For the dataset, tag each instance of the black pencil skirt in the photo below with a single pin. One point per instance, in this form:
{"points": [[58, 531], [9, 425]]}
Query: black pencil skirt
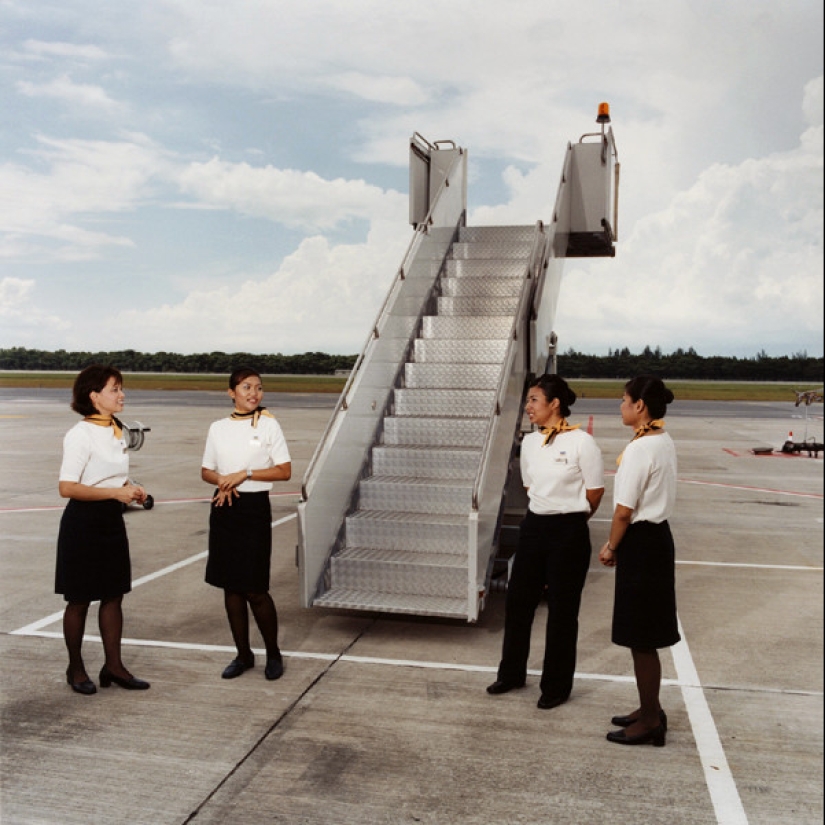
{"points": [[644, 608], [240, 544], [92, 552]]}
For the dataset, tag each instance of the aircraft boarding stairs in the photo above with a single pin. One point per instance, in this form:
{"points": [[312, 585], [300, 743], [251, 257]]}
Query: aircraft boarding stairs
{"points": [[402, 503]]}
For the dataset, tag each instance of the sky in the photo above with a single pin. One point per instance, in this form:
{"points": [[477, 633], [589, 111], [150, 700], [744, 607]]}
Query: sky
{"points": [[232, 175]]}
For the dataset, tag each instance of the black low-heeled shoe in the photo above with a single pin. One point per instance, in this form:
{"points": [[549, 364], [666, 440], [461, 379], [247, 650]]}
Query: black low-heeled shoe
{"points": [[274, 668], [236, 667], [132, 683], [655, 737], [86, 687], [624, 721], [547, 702], [500, 686]]}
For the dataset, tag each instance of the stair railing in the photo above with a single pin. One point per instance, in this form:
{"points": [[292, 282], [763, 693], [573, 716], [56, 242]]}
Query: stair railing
{"points": [[337, 462]]}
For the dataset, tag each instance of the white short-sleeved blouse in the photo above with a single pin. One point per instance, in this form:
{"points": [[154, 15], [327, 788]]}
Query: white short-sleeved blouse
{"points": [[558, 476], [94, 456], [646, 478], [234, 445]]}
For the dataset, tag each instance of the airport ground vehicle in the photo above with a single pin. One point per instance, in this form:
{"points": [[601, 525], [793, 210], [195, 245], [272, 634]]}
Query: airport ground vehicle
{"points": [[405, 497]]}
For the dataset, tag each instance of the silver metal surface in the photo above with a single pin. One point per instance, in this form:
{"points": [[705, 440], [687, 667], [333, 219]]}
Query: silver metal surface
{"points": [[452, 376]]}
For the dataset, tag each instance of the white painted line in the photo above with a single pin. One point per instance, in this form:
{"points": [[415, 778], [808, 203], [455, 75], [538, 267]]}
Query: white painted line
{"points": [[33, 628], [754, 566], [723, 791], [170, 569], [750, 489]]}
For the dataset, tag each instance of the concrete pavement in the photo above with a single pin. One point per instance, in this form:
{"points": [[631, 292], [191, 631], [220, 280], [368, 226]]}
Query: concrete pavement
{"points": [[384, 719]]}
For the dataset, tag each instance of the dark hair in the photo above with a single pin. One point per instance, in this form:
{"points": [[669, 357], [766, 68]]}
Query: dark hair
{"points": [[554, 386], [91, 379], [652, 390], [240, 374]]}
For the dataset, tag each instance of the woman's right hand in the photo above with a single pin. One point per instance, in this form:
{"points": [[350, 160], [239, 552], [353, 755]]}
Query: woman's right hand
{"points": [[607, 556], [129, 493]]}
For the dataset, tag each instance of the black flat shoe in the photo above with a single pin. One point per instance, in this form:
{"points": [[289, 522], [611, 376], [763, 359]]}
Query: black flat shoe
{"points": [[655, 737], [624, 721], [132, 683], [86, 687], [547, 702], [503, 687], [236, 667], [274, 669]]}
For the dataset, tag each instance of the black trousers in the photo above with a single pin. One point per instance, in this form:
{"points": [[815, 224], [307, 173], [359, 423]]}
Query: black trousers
{"points": [[552, 559]]}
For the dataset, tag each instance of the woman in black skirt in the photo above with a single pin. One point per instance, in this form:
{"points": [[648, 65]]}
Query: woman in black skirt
{"points": [[92, 546], [244, 454], [641, 548]]}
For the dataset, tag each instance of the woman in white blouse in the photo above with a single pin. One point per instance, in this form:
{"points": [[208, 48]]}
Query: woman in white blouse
{"points": [[244, 454], [641, 549], [562, 469], [92, 547]]}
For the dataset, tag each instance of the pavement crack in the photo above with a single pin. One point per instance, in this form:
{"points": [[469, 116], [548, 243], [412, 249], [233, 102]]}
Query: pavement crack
{"points": [[265, 735]]}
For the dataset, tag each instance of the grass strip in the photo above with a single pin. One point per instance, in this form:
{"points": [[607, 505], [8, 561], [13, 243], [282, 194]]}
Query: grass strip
{"points": [[585, 388]]}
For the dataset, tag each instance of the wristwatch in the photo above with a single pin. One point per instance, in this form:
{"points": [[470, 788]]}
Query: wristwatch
{"points": [[249, 474]]}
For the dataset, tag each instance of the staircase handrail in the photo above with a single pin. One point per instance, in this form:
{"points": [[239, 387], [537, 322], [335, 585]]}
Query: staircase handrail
{"points": [[375, 332]]}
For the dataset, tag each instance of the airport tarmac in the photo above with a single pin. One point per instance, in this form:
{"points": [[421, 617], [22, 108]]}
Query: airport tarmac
{"points": [[382, 718]]}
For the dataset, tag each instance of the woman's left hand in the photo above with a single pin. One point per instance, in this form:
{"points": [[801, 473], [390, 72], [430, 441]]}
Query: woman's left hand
{"points": [[228, 488]]}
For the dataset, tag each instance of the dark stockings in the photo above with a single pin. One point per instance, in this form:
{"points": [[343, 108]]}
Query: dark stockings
{"points": [[266, 617], [110, 622], [74, 623], [648, 670]]}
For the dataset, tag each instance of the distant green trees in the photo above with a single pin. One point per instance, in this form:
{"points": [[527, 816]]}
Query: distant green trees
{"points": [[618, 363], [687, 364], [307, 363]]}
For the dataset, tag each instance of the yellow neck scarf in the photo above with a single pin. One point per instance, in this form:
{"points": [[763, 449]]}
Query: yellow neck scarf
{"points": [[550, 432], [106, 421], [255, 415], [656, 424]]}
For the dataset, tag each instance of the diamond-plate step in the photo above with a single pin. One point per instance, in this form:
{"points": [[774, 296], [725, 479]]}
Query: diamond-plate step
{"points": [[463, 327], [435, 431], [452, 376], [482, 249], [390, 571], [343, 599], [447, 351], [519, 233], [458, 403], [413, 532], [415, 495], [477, 305], [428, 462], [489, 268], [482, 287]]}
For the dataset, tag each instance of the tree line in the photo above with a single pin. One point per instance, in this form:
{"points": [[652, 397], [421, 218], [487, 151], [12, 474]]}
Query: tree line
{"points": [[307, 363], [618, 363], [688, 364]]}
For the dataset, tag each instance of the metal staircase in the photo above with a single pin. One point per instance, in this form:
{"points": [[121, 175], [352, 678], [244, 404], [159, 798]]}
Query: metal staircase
{"points": [[405, 544], [402, 501]]}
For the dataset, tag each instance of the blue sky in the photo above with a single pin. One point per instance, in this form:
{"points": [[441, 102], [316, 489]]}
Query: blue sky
{"points": [[192, 175]]}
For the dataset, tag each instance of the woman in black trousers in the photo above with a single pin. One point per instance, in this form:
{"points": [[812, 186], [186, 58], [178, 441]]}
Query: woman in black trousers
{"points": [[562, 470]]}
